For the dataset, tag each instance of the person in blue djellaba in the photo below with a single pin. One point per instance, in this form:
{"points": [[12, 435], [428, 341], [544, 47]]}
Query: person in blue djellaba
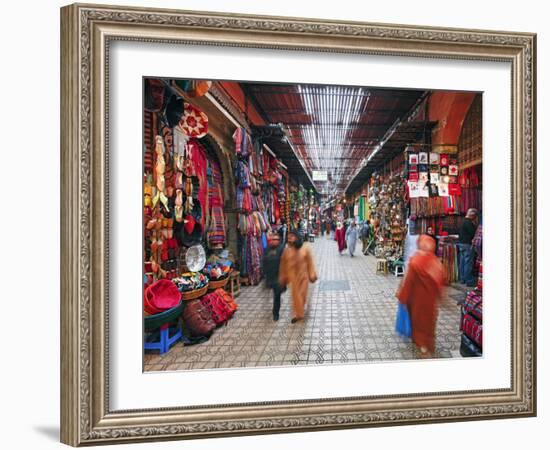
{"points": [[271, 262]]}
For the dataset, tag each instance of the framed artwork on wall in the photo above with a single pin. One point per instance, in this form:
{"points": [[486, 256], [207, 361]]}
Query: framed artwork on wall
{"points": [[184, 133]]}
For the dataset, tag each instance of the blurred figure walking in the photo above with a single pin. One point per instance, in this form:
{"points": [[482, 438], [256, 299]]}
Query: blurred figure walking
{"points": [[297, 270], [365, 236], [351, 237], [420, 291], [270, 264], [340, 237]]}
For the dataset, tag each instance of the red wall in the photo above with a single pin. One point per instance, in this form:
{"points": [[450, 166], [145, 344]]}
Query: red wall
{"points": [[449, 109], [234, 90]]}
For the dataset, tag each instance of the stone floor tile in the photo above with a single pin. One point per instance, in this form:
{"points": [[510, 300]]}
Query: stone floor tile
{"points": [[350, 318]]}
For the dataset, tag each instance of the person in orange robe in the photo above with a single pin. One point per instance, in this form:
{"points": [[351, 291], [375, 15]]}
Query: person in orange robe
{"points": [[297, 270], [420, 291]]}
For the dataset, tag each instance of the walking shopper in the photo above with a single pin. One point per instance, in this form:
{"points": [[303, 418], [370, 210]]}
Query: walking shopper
{"points": [[271, 262], [466, 253], [328, 224], [333, 229], [340, 237], [297, 270], [351, 237], [420, 291], [365, 235]]}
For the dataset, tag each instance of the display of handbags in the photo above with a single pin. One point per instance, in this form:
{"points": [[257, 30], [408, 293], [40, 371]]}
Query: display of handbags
{"points": [[197, 319]]}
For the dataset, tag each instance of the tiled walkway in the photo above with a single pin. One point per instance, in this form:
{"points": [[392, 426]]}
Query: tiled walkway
{"points": [[350, 319]]}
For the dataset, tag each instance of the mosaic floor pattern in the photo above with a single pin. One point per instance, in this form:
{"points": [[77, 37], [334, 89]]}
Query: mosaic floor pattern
{"points": [[350, 318]]}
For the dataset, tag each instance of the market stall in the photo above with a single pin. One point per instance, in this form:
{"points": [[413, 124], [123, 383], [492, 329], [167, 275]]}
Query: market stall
{"points": [[183, 212]]}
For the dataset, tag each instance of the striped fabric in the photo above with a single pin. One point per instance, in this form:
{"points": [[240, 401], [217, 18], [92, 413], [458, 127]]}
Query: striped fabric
{"points": [[148, 139], [474, 304], [473, 329], [216, 231]]}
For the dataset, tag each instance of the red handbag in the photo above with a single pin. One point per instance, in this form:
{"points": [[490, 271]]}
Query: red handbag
{"points": [[198, 319]]}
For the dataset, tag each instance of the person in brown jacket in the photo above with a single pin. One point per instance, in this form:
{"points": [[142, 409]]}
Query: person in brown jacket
{"points": [[297, 270]]}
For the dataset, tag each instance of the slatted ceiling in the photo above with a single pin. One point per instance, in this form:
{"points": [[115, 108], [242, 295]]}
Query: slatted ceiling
{"points": [[332, 128]]}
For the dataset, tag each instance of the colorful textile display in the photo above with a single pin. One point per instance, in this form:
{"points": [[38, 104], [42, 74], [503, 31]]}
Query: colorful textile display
{"points": [[216, 232], [243, 143], [473, 329], [218, 270], [220, 304], [440, 224], [447, 252], [251, 257], [215, 183], [433, 206], [190, 281], [474, 304], [251, 221], [470, 198], [472, 308]]}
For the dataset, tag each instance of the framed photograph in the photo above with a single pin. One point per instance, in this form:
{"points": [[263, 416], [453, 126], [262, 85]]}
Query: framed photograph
{"points": [[234, 186]]}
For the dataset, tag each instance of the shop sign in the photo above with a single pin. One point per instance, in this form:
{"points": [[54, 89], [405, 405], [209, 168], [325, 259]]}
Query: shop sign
{"points": [[319, 175]]}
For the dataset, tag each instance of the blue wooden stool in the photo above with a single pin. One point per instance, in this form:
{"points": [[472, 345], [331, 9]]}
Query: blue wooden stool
{"points": [[159, 335], [166, 338]]}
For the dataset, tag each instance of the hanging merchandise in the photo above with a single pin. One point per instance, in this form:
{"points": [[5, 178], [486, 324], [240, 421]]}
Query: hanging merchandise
{"points": [[447, 251], [216, 225], [251, 222], [193, 123], [243, 143], [154, 95], [160, 167], [472, 308], [387, 206], [434, 158]]}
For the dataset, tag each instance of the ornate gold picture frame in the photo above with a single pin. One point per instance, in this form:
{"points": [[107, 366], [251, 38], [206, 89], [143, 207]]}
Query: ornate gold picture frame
{"points": [[87, 31]]}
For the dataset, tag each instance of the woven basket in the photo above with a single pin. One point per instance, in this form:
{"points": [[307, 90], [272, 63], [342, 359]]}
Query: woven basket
{"points": [[192, 295], [212, 285]]}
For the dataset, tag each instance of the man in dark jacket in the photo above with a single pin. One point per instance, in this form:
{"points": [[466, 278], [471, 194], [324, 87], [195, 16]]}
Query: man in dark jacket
{"points": [[365, 235], [270, 264], [466, 253]]}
